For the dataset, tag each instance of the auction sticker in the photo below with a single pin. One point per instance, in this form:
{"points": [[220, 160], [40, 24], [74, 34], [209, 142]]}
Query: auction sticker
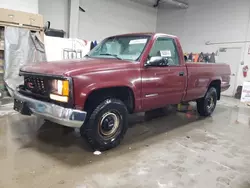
{"points": [[138, 41], [165, 53]]}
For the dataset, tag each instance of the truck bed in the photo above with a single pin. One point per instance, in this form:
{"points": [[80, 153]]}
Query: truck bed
{"points": [[200, 76]]}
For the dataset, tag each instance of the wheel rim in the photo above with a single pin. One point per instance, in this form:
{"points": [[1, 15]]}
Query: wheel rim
{"points": [[210, 103], [109, 123]]}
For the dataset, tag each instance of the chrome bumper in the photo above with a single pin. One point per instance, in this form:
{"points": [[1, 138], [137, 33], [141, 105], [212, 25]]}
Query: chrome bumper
{"points": [[224, 86], [55, 113]]}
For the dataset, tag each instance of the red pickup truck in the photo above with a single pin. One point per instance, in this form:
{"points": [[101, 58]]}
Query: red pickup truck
{"points": [[123, 74]]}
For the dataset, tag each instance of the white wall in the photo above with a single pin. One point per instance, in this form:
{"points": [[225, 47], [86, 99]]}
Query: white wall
{"points": [[57, 12], [108, 17], [214, 21], [30, 6], [101, 19]]}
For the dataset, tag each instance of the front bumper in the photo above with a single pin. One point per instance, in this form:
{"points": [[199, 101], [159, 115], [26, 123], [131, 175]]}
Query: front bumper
{"points": [[55, 113]]}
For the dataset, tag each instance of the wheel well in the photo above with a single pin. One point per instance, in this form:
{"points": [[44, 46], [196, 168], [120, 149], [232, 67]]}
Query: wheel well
{"points": [[125, 94], [217, 85]]}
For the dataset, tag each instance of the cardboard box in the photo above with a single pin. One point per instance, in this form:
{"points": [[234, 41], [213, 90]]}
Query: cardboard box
{"points": [[20, 18]]}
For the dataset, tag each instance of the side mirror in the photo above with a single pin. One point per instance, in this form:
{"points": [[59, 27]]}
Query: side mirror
{"points": [[156, 62]]}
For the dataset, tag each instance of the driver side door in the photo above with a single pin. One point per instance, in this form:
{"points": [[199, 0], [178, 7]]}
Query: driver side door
{"points": [[163, 85]]}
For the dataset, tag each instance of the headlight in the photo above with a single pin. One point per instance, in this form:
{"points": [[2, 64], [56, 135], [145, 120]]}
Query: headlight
{"points": [[60, 90]]}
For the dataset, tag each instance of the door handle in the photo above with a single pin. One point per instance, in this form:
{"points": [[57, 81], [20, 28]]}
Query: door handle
{"points": [[181, 73]]}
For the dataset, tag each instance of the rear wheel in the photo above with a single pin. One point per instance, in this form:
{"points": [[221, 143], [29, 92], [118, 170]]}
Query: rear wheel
{"points": [[106, 125], [207, 104]]}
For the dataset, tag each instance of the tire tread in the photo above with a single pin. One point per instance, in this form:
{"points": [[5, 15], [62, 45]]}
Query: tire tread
{"points": [[201, 103], [88, 128]]}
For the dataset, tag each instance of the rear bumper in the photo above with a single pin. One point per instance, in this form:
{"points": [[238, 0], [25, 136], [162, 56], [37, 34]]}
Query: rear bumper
{"points": [[55, 113], [224, 86]]}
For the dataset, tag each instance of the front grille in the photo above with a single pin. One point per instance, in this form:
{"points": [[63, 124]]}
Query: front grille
{"points": [[37, 85]]}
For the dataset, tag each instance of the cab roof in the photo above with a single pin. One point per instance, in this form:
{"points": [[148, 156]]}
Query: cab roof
{"points": [[146, 34]]}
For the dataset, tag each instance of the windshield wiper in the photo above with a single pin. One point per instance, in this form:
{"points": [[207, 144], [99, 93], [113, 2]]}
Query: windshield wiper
{"points": [[113, 55]]}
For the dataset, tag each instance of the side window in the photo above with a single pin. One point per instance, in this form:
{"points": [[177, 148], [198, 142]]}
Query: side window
{"points": [[165, 47]]}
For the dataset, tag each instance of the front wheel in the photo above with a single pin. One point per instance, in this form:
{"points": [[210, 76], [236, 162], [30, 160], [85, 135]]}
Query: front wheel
{"points": [[107, 125], [207, 104]]}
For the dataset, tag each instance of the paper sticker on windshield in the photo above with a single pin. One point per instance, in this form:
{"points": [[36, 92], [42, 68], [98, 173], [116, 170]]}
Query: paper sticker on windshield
{"points": [[165, 53], [138, 41]]}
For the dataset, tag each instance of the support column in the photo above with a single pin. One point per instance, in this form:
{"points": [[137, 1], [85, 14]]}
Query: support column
{"points": [[73, 18]]}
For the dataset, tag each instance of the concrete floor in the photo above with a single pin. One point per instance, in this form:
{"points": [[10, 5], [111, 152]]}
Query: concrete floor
{"points": [[174, 151]]}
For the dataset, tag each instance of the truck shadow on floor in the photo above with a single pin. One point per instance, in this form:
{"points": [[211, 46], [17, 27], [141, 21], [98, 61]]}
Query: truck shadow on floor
{"points": [[66, 145]]}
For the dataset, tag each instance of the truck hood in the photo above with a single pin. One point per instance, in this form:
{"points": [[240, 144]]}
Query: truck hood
{"points": [[76, 67]]}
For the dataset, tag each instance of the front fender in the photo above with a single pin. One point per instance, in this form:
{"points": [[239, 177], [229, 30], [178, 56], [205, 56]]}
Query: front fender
{"points": [[81, 94]]}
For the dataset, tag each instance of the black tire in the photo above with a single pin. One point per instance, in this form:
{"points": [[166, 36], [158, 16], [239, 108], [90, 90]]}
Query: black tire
{"points": [[96, 129], [207, 104]]}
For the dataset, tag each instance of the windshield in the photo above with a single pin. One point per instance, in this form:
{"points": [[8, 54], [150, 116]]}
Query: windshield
{"points": [[120, 47]]}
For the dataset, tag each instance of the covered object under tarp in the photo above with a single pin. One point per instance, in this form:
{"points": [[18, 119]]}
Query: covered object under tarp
{"points": [[22, 47]]}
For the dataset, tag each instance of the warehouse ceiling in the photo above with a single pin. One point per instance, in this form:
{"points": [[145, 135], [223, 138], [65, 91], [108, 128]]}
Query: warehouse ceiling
{"points": [[156, 3]]}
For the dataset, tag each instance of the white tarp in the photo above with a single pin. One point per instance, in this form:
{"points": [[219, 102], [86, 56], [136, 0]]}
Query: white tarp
{"points": [[65, 48], [22, 47]]}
